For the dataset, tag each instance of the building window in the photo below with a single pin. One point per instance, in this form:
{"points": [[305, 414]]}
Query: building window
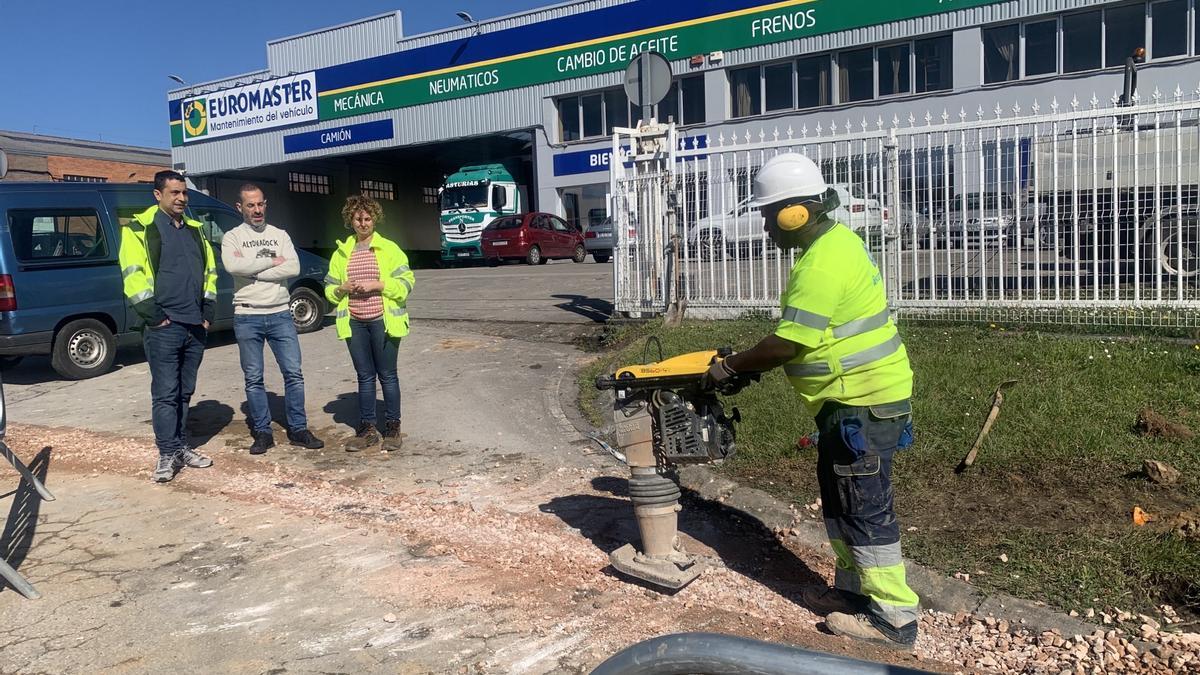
{"points": [[568, 119], [616, 109], [856, 75], [1124, 31], [684, 101], [378, 189], [813, 83], [1169, 29], [592, 107], [691, 100], [73, 178], [778, 90], [1041, 48], [310, 183], [668, 108], [934, 64], [1081, 42], [46, 236], [745, 92], [894, 70], [429, 195], [596, 115], [1001, 54]]}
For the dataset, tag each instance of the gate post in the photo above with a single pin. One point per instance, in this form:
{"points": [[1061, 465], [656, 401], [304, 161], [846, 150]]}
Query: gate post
{"points": [[892, 265]]}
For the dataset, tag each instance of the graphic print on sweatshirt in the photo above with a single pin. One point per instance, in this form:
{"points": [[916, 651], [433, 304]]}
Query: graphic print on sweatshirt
{"points": [[262, 246]]}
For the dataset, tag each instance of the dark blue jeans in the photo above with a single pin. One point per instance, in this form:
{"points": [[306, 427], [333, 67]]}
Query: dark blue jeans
{"points": [[279, 332], [374, 354], [174, 353]]}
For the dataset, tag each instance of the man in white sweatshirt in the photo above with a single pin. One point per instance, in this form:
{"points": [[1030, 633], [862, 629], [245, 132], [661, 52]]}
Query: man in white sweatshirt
{"points": [[261, 259]]}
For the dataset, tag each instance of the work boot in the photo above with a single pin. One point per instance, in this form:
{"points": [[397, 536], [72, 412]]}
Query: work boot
{"points": [[305, 439], [366, 436], [825, 600], [263, 441], [864, 627], [190, 458], [165, 470], [391, 436]]}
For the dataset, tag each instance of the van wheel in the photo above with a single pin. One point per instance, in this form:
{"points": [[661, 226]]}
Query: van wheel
{"points": [[601, 257], [534, 257], [83, 348], [580, 254], [308, 309]]}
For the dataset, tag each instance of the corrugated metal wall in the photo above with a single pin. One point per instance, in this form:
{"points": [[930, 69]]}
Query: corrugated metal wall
{"points": [[522, 108], [373, 36], [510, 21], [215, 85]]}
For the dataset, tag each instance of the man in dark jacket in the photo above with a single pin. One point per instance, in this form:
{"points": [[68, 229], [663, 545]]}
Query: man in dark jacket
{"points": [[170, 279]]}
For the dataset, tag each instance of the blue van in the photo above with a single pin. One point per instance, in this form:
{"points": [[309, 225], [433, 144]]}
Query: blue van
{"points": [[60, 284]]}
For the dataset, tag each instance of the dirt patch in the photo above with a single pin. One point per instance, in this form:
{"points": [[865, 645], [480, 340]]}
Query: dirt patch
{"points": [[1186, 526], [1150, 423], [1063, 500], [579, 335], [460, 345]]}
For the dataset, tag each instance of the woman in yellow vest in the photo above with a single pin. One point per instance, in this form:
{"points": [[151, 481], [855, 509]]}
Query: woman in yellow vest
{"points": [[369, 281], [844, 357]]}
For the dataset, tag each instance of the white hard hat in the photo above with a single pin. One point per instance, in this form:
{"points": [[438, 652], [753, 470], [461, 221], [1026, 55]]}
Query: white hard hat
{"points": [[787, 176]]}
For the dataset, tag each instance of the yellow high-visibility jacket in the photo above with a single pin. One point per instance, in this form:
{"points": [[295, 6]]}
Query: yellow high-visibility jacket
{"points": [[141, 247], [394, 272]]}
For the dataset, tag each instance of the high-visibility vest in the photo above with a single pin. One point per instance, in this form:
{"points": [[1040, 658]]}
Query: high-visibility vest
{"points": [[836, 309], [137, 266], [394, 272]]}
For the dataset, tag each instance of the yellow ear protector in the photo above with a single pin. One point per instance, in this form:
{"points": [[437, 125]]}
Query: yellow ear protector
{"points": [[795, 216]]}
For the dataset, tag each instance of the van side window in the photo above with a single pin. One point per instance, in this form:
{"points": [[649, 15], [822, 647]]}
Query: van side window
{"points": [[57, 234], [215, 222]]}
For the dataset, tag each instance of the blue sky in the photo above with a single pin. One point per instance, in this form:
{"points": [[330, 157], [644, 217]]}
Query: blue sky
{"points": [[98, 69]]}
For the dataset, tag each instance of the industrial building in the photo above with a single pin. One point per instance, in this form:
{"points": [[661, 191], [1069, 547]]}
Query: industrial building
{"points": [[37, 157], [361, 107]]}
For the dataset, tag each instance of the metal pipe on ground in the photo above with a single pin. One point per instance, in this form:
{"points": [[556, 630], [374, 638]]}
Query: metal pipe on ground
{"points": [[716, 654]]}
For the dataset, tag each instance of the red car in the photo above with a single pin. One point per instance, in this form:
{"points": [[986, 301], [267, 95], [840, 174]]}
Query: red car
{"points": [[535, 238]]}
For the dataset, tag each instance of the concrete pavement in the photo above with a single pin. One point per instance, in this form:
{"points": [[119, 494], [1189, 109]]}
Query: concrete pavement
{"points": [[558, 292], [481, 547]]}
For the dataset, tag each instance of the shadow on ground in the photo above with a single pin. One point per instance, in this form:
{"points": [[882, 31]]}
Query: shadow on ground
{"points": [[737, 539], [21, 524]]}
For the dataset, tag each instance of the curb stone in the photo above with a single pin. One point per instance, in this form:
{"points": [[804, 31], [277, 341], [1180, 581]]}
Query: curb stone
{"points": [[937, 591]]}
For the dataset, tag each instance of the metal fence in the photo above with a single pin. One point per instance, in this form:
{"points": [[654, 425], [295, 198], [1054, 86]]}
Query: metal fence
{"points": [[1072, 213]]}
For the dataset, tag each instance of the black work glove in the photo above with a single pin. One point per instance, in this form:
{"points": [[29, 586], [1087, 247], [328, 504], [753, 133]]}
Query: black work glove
{"points": [[718, 374]]}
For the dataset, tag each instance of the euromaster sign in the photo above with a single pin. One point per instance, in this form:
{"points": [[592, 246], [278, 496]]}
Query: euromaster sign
{"points": [[254, 107], [599, 41]]}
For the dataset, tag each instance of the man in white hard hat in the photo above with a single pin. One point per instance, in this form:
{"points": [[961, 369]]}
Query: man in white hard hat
{"points": [[844, 357]]}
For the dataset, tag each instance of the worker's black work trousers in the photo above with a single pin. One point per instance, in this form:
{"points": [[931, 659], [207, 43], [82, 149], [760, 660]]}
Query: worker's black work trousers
{"points": [[854, 469]]}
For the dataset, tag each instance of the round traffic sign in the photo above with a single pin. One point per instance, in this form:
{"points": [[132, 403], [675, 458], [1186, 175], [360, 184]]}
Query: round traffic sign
{"points": [[647, 79]]}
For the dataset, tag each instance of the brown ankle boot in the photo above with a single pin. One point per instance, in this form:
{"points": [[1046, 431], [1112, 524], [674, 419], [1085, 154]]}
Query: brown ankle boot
{"points": [[391, 436]]}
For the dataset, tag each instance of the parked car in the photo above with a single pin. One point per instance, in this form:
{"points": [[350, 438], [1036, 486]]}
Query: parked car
{"points": [[536, 238], [912, 226], [973, 219], [599, 240], [61, 291], [743, 225]]}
